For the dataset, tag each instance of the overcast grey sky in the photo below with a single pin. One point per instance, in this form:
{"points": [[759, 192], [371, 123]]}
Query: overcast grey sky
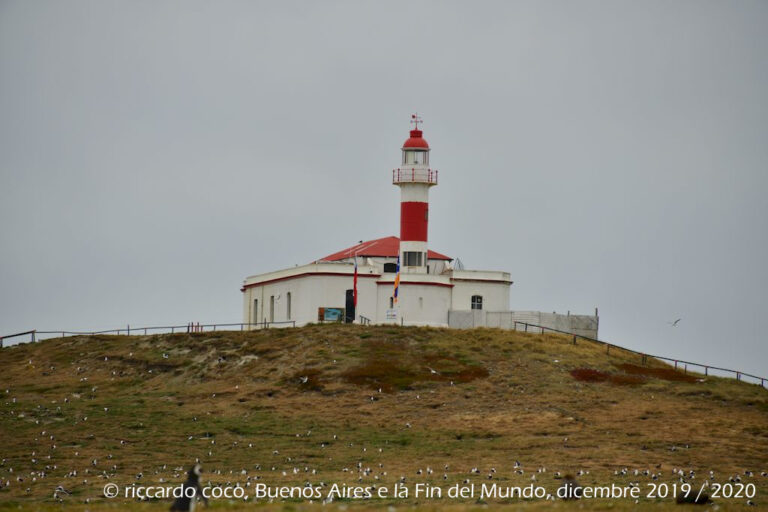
{"points": [[609, 154]]}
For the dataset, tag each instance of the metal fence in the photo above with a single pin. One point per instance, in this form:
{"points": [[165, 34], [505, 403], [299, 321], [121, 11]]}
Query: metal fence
{"points": [[678, 363], [414, 175], [192, 327]]}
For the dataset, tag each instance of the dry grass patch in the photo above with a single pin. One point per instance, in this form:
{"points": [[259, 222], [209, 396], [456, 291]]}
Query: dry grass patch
{"points": [[592, 375]]}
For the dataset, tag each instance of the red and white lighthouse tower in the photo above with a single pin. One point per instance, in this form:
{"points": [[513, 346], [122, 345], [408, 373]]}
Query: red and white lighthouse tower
{"points": [[414, 177]]}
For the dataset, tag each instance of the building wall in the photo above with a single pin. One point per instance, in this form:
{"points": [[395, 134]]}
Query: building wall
{"points": [[418, 304], [425, 299], [466, 319], [431, 301], [583, 325], [307, 294], [495, 294]]}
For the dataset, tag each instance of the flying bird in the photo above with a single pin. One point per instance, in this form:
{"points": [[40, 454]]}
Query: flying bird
{"points": [[674, 324]]}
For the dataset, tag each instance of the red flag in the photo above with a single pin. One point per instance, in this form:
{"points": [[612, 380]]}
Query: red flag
{"points": [[354, 285]]}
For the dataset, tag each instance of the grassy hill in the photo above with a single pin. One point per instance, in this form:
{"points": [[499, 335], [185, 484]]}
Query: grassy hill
{"points": [[325, 403]]}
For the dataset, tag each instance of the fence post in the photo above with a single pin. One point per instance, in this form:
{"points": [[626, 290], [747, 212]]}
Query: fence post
{"points": [[574, 339], [33, 337], [128, 329], [526, 327], [738, 375], [607, 348], [706, 370], [675, 364]]}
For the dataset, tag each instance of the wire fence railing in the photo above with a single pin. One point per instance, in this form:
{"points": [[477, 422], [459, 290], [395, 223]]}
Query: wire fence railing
{"points": [[191, 327], [679, 364]]}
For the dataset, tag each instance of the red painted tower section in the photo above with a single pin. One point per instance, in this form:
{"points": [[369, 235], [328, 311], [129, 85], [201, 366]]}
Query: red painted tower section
{"points": [[414, 221]]}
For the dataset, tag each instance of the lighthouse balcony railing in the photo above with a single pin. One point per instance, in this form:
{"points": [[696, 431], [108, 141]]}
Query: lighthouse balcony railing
{"points": [[414, 175]]}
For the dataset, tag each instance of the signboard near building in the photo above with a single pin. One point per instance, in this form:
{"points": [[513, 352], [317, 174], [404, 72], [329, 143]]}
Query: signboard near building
{"points": [[330, 314]]}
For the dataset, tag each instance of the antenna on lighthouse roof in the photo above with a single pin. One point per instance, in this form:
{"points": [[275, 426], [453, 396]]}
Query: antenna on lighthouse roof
{"points": [[415, 120]]}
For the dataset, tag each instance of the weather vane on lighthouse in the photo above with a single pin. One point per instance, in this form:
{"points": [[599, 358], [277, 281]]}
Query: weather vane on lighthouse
{"points": [[415, 120]]}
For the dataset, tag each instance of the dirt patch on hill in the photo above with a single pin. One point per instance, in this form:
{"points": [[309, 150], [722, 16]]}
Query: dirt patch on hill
{"points": [[657, 373], [385, 374], [451, 369], [392, 370], [592, 375]]}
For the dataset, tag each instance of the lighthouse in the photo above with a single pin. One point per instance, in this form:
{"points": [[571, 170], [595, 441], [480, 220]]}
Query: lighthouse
{"points": [[357, 284], [415, 178]]}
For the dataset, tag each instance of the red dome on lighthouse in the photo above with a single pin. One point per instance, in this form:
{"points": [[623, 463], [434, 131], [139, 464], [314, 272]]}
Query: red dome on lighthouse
{"points": [[416, 141]]}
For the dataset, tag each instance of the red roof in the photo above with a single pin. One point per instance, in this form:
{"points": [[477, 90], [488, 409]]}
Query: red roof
{"points": [[387, 247], [416, 141]]}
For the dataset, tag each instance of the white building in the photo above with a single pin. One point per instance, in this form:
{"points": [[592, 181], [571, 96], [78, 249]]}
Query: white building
{"points": [[431, 290]]}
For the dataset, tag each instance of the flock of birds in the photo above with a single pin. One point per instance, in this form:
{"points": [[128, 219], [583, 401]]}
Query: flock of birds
{"points": [[73, 480]]}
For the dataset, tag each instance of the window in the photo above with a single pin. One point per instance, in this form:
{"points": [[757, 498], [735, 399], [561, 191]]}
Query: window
{"points": [[415, 157], [272, 308], [477, 302], [412, 259], [390, 267], [255, 311], [288, 305], [391, 302]]}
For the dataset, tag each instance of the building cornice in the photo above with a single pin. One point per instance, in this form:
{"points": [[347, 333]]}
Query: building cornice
{"points": [[305, 274]]}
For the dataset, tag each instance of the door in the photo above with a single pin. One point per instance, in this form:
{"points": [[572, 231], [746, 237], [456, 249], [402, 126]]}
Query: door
{"points": [[349, 316]]}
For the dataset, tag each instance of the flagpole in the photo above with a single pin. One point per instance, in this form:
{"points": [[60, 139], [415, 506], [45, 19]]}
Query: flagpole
{"points": [[396, 292], [354, 287]]}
